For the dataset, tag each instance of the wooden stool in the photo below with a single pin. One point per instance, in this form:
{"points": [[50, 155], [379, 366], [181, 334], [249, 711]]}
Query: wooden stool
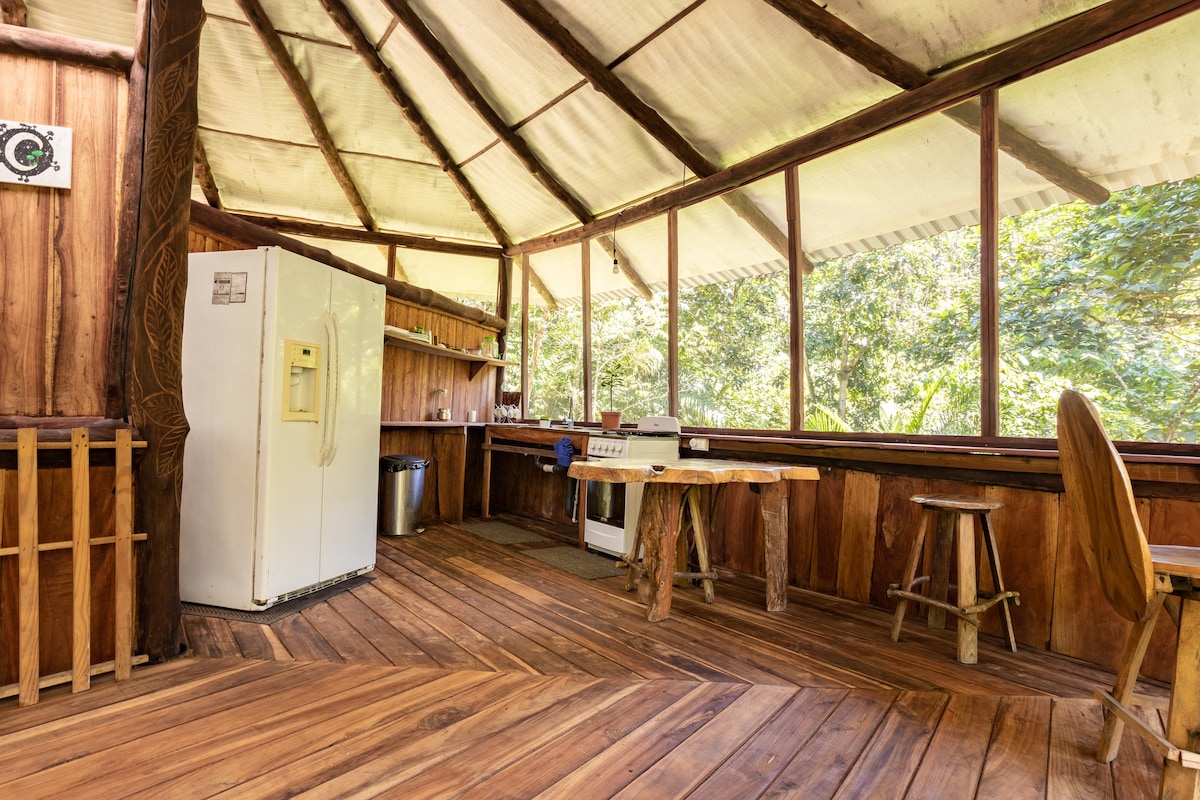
{"points": [[956, 517], [691, 513]]}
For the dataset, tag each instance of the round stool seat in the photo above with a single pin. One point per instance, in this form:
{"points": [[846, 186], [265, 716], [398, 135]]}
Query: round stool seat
{"points": [[957, 502]]}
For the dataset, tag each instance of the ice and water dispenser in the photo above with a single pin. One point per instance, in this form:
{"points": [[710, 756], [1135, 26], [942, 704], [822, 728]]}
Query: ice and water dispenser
{"points": [[302, 377]]}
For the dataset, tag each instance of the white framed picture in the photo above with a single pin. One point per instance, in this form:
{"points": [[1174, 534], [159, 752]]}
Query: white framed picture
{"points": [[35, 155]]}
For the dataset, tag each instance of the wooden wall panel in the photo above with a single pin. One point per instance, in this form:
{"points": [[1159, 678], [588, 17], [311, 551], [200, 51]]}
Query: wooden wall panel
{"points": [[740, 541], [856, 554], [897, 529], [413, 380], [85, 237], [803, 532], [26, 227], [519, 486], [1027, 531], [830, 502], [57, 247]]}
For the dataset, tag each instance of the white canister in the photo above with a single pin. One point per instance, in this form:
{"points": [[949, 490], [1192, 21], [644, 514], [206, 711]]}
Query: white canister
{"points": [[472, 416]]}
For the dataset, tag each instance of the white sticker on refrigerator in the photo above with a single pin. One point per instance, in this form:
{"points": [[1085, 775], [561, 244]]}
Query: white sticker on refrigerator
{"points": [[229, 287]]}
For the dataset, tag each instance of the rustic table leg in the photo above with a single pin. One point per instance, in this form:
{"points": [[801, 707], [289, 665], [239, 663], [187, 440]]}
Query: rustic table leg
{"points": [[773, 500], [968, 595], [1183, 717], [659, 524], [700, 534]]}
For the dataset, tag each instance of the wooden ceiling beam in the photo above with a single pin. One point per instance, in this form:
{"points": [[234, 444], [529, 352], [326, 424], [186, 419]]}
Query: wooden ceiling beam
{"points": [[204, 176], [408, 241], [470, 94], [340, 14], [1059, 43], [841, 36], [68, 49], [249, 233], [479, 104], [607, 83], [604, 80], [273, 43]]}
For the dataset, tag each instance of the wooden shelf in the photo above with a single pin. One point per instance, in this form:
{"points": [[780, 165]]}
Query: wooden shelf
{"points": [[477, 362]]}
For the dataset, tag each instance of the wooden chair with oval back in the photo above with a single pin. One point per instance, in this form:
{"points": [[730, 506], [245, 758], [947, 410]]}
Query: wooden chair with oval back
{"points": [[1137, 579]]}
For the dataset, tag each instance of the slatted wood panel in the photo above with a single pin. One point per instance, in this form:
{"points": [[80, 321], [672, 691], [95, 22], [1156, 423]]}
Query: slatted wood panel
{"points": [[467, 669], [32, 548]]}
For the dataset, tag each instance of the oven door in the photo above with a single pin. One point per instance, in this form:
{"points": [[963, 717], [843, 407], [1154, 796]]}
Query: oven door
{"points": [[606, 503]]}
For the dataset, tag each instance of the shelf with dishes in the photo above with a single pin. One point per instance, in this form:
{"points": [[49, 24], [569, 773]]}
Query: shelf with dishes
{"points": [[408, 340]]}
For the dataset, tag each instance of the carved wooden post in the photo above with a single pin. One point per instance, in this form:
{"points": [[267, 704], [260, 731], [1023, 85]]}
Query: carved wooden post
{"points": [[157, 286]]}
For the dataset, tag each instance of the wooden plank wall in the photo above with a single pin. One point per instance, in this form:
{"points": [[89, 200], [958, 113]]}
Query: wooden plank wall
{"points": [[851, 530], [57, 259], [412, 380], [57, 278]]}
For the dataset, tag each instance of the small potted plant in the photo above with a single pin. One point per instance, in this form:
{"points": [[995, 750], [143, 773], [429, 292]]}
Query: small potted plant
{"points": [[611, 377]]}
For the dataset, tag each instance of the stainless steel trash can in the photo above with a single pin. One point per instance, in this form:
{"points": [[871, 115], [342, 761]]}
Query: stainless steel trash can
{"points": [[401, 490]]}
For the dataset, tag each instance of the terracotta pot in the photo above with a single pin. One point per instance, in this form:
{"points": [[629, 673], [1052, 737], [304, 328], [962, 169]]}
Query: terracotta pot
{"points": [[610, 420]]}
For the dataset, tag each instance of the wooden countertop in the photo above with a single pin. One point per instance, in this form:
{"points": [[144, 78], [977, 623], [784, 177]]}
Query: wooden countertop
{"points": [[689, 471]]}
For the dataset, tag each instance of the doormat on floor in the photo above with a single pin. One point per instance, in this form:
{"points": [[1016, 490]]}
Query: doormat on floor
{"points": [[279, 610], [577, 562], [501, 532]]}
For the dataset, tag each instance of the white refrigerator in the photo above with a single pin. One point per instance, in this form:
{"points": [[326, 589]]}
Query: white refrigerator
{"points": [[282, 375]]}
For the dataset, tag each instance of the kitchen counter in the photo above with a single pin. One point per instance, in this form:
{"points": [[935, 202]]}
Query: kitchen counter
{"points": [[431, 423]]}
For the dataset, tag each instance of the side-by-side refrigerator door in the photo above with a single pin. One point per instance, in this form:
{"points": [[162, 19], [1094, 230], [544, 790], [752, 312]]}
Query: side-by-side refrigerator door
{"points": [[293, 419], [351, 478], [222, 358]]}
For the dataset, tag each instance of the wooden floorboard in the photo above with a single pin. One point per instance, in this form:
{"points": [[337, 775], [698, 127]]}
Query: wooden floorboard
{"points": [[466, 669]]}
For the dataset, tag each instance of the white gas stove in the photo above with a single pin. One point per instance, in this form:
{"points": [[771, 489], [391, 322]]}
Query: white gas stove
{"points": [[613, 508]]}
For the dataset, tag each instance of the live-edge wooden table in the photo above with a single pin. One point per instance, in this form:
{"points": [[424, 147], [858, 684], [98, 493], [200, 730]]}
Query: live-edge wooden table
{"points": [[666, 483]]}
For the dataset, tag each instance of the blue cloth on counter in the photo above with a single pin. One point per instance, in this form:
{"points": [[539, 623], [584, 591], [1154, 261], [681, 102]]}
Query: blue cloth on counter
{"points": [[563, 449]]}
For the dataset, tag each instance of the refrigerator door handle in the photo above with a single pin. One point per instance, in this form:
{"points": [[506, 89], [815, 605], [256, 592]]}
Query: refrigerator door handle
{"points": [[333, 387]]}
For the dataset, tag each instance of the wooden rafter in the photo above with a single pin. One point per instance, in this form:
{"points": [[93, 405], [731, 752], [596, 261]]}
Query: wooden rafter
{"points": [[12, 12], [406, 240], [467, 90], [479, 104], [249, 233], [273, 43], [606, 82], [340, 14], [203, 172], [67, 49], [1057, 44], [841, 36]]}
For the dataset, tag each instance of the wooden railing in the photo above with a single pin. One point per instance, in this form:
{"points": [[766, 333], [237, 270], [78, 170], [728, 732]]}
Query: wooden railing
{"points": [[29, 549]]}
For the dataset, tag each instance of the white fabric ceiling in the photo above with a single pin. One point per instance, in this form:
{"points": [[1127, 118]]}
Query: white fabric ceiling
{"points": [[734, 78]]}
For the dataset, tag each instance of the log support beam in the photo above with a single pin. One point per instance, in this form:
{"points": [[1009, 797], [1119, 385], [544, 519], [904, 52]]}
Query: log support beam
{"points": [[158, 285]]}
